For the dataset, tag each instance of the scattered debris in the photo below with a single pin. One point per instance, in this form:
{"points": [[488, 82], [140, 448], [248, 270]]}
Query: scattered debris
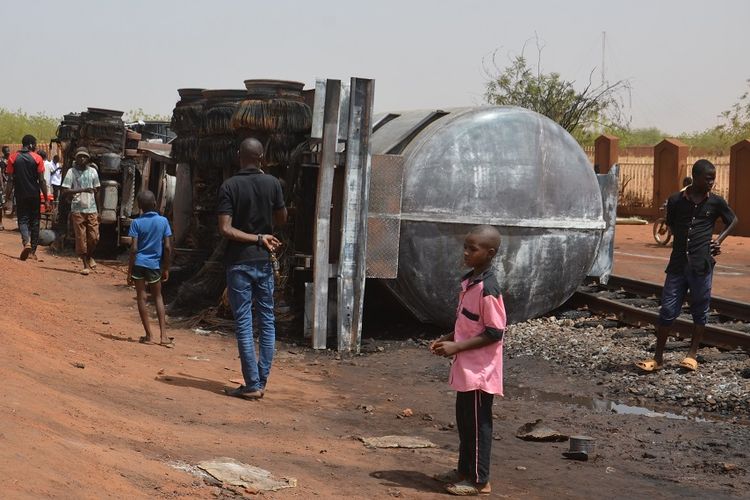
{"points": [[535, 431], [366, 408], [587, 349], [520, 467], [230, 472], [405, 413], [78, 365], [397, 442]]}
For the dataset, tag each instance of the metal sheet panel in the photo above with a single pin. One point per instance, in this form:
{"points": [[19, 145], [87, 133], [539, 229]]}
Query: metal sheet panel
{"points": [[384, 219], [316, 132], [609, 186], [395, 131]]}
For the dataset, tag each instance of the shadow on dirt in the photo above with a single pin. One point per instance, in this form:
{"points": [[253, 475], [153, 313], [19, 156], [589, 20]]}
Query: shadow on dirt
{"points": [[187, 380], [116, 337], [412, 479]]}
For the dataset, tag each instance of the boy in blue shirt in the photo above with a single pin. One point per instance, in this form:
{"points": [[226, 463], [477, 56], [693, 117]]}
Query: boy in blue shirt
{"points": [[150, 251]]}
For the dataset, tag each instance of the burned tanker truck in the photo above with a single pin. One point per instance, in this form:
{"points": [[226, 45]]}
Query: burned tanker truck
{"points": [[391, 197], [120, 151], [505, 166]]}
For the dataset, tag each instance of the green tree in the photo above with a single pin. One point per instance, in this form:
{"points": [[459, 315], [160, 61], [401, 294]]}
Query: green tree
{"points": [[577, 111], [736, 124], [138, 114], [15, 124]]}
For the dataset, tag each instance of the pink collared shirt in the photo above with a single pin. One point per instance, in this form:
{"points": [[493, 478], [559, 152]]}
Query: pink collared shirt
{"points": [[480, 311]]}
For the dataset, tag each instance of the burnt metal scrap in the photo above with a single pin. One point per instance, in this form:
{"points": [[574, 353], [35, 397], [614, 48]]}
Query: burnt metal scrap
{"points": [[209, 130]]}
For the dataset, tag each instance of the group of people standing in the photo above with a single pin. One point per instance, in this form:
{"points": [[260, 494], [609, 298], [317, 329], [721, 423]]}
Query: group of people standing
{"points": [[28, 177], [251, 204]]}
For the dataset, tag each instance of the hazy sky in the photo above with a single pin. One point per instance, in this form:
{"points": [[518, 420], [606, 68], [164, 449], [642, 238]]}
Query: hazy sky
{"points": [[686, 60]]}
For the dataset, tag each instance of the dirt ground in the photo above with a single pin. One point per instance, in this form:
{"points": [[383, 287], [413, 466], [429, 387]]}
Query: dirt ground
{"points": [[88, 412]]}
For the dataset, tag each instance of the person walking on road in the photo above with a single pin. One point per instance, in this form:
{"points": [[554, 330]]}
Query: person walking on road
{"points": [[250, 204], [26, 177], [691, 215], [82, 183], [3, 182]]}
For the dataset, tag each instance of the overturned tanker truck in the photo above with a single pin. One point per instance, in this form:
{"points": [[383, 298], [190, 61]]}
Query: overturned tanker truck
{"points": [[390, 197], [505, 166]]}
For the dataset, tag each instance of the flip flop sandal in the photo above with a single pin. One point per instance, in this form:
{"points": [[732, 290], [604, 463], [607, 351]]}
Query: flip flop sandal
{"points": [[465, 489], [449, 477], [689, 364], [650, 365]]}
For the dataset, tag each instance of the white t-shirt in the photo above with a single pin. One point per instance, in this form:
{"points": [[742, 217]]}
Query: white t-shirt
{"points": [[56, 174], [48, 168]]}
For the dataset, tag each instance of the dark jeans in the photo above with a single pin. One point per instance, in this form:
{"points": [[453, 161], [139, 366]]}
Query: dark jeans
{"points": [[28, 220], [474, 422], [246, 282], [676, 286]]}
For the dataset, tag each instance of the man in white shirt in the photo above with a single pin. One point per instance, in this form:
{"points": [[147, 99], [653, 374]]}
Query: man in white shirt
{"points": [[47, 165], [56, 176], [81, 183]]}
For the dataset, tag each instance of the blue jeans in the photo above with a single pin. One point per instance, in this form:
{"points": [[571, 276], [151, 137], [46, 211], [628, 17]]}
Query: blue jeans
{"points": [[676, 286], [246, 282], [28, 210]]}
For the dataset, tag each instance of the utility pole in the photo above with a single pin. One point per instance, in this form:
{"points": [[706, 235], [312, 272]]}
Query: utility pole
{"points": [[604, 43]]}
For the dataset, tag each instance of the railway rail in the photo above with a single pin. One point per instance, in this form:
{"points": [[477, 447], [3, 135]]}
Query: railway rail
{"points": [[636, 303]]}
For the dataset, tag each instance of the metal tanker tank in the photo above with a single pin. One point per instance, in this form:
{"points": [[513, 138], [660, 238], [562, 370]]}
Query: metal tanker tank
{"points": [[504, 166]]}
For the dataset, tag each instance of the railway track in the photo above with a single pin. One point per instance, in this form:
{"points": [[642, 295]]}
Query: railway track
{"points": [[637, 303]]}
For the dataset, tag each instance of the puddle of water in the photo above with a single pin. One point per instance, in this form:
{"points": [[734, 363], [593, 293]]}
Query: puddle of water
{"points": [[598, 405]]}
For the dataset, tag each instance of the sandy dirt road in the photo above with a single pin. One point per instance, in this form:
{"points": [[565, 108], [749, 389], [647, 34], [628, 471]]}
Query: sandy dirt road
{"points": [[88, 412]]}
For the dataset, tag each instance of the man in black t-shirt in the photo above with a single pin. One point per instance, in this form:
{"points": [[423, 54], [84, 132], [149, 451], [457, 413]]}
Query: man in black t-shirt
{"points": [[26, 174], [250, 204], [691, 215]]}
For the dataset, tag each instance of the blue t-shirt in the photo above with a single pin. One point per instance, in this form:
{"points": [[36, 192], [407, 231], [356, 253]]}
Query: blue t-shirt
{"points": [[150, 229]]}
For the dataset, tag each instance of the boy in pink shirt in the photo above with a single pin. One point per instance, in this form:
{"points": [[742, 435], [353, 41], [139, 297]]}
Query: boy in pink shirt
{"points": [[476, 345]]}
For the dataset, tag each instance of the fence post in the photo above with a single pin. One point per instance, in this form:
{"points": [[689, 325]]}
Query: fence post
{"points": [[606, 152], [670, 164], [739, 186]]}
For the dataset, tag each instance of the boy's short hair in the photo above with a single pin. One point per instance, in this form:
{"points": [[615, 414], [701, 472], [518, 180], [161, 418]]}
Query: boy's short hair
{"points": [[489, 235], [702, 166], [146, 199]]}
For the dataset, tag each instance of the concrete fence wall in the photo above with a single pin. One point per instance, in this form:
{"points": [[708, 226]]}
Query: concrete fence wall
{"points": [[649, 174]]}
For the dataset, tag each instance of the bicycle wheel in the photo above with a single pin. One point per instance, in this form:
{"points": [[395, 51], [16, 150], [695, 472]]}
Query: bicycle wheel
{"points": [[662, 233]]}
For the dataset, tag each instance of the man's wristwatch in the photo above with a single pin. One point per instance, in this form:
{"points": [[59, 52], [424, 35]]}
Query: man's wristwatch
{"points": [[260, 240]]}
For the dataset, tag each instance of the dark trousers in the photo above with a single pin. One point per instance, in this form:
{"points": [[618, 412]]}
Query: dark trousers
{"points": [[28, 220], [474, 422], [676, 286]]}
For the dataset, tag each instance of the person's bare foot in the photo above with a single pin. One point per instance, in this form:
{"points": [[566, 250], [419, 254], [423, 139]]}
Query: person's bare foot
{"points": [[92, 263], [85, 271]]}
